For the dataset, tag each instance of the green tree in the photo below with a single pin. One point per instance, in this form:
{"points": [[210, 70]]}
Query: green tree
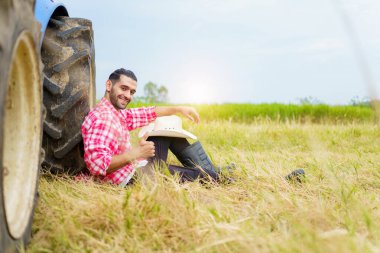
{"points": [[155, 94], [310, 101], [163, 94]]}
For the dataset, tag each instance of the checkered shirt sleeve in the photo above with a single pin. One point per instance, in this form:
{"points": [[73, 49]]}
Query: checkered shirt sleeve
{"points": [[99, 142], [139, 117]]}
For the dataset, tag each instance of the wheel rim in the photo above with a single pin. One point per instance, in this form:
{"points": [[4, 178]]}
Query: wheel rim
{"points": [[22, 135]]}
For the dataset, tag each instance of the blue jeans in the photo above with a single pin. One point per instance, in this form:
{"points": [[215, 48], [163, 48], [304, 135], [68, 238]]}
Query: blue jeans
{"points": [[162, 146]]}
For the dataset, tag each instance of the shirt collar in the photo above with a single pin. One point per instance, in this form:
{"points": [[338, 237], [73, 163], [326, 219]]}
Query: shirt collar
{"points": [[109, 106]]}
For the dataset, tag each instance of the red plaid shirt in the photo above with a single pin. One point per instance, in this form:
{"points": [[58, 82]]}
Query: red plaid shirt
{"points": [[105, 133]]}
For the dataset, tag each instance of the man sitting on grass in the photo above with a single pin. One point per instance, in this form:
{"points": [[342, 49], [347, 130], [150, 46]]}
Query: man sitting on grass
{"points": [[109, 155]]}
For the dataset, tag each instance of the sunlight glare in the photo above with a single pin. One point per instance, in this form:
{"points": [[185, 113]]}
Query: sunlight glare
{"points": [[199, 91], [203, 83]]}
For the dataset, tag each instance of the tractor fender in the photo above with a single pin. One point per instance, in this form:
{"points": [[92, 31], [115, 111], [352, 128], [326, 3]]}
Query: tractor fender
{"points": [[44, 10]]}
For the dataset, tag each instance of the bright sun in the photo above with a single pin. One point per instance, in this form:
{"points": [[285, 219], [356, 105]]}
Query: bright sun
{"points": [[199, 91], [201, 84]]}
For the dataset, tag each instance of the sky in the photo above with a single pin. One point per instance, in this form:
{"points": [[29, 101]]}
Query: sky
{"points": [[239, 51]]}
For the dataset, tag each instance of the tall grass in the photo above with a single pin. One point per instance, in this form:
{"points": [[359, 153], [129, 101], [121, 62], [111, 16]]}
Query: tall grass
{"points": [[319, 113], [285, 112], [336, 210]]}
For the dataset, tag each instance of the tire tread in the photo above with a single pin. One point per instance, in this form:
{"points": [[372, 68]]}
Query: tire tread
{"points": [[69, 76]]}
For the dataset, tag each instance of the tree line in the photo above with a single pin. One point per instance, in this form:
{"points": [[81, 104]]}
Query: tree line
{"points": [[154, 93]]}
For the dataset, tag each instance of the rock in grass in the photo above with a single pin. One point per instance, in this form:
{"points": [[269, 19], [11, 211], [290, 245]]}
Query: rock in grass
{"points": [[296, 176]]}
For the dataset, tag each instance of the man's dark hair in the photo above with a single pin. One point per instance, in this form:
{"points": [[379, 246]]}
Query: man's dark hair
{"points": [[115, 76]]}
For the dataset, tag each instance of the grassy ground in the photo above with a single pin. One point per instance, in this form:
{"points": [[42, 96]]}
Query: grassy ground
{"points": [[336, 210], [315, 113]]}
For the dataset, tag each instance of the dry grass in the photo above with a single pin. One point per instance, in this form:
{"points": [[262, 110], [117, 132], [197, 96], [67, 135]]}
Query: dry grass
{"points": [[335, 210]]}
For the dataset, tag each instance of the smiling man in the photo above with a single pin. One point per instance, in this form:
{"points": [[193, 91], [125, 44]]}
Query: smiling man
{"points": [[109, 155]]}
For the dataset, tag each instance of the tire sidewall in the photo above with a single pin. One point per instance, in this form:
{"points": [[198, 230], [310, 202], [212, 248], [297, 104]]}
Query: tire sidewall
{"points": [[16, 17]]}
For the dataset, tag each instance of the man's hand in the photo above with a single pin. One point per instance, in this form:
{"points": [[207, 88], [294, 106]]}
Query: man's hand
{"points": [[190, 113], [145, 149], [187, 111]]}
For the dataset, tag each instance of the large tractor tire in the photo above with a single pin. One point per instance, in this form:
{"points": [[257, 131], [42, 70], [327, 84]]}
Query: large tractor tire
{"points": [[68, 55], [20, 122]]}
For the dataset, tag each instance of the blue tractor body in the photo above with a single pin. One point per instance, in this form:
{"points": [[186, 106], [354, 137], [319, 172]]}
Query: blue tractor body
{"points": [[44, 10]]}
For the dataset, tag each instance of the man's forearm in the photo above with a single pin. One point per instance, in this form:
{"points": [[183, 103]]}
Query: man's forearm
{"points": [[186, 111], [119, 161], [144, 150], [167, 110]]}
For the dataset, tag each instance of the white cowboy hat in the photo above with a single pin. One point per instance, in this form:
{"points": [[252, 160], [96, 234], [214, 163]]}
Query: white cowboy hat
{"points": [[170, 126]]}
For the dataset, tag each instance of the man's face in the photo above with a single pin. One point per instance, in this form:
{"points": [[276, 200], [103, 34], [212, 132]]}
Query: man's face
{"points": [[121, 92]]}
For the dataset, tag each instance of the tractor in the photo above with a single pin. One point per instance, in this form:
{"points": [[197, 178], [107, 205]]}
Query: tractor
{"points": [[47, 86]]}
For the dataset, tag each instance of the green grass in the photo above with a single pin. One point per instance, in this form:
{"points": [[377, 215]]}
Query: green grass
{"points": [[249, 113], [335, 210]]}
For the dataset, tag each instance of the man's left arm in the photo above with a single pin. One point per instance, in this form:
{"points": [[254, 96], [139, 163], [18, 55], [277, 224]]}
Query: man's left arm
{"points": [[187, 111], [139, 117]]}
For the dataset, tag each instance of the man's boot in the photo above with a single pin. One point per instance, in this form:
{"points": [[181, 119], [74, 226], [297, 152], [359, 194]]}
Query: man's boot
{"points": [[195, 156], [185, 174]]}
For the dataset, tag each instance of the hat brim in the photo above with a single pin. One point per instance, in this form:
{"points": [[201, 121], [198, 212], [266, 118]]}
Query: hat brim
{"points": [[173, 133], [168, 133]]}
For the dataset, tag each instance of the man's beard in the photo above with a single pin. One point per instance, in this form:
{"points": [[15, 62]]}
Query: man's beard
{"points": [[115, 102]]}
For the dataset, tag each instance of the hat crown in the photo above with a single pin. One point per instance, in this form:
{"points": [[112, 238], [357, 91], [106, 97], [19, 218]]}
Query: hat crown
{"points": [[170, 126], [168, 123]]}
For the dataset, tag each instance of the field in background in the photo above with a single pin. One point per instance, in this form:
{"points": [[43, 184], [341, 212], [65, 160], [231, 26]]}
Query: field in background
{"points": [[335, 210], [314, 113]]}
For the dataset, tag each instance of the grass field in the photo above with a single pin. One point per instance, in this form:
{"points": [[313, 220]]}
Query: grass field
{"points": [[337, 208], [312, 113]]}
